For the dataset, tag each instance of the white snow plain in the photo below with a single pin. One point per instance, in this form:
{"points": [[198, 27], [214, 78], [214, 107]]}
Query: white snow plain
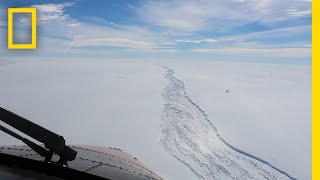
{"points": [[121, 103]]}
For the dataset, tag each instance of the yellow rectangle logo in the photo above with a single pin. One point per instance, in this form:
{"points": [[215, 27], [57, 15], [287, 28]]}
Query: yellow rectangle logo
{"points": [[33, 12]]}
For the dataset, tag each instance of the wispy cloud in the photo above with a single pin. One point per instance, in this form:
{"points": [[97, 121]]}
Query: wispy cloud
{"points": [[52, 12], [126, 36], [86, 34], [118, 42], [275, 52], [297, 13], [194, 15], [3, 24], [274, 33], [196, 40], [2, 14], [188, 26]]}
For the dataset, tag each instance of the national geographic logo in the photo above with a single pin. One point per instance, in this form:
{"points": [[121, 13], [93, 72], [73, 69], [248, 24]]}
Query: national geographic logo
{"points": [[33, 44]]}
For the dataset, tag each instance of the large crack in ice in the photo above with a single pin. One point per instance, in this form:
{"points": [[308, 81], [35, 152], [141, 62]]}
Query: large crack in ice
{"points": [[190, 137]]}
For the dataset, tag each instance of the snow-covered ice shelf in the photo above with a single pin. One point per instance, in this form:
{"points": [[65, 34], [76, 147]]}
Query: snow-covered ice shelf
{"points": [[192, 139]]}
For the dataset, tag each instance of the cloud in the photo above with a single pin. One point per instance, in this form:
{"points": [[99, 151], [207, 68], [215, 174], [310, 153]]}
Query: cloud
{"points": [[3, 24], [196, 41], [170, 25], [274, 52], [123, 36], [297, 13], [95, 32], [126, 36], [2, 14], [117, 42], [206, 15], [273, 34], [52, 12]]}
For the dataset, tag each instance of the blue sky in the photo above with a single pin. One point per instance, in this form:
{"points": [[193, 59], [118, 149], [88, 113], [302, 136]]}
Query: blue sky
{"points": [[251, 30]]}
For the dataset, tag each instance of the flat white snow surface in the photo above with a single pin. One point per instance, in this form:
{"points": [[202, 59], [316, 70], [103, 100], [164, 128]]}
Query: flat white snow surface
{"points": [[165, 112]]}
